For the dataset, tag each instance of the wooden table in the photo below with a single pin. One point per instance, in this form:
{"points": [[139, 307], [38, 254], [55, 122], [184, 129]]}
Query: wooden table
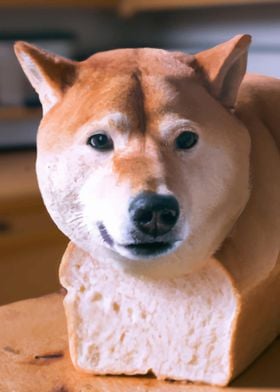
{"points": [[34, 358]]}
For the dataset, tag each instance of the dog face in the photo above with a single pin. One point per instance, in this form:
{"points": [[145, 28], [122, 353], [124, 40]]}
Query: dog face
{"points": [[137, 160]]}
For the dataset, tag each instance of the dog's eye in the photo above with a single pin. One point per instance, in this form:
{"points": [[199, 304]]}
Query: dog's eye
{"points": [[186, 140], [100, 141]]}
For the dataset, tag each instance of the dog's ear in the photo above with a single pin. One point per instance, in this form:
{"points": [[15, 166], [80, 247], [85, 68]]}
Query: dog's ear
{"points": [[49, 74], [223, 68]]}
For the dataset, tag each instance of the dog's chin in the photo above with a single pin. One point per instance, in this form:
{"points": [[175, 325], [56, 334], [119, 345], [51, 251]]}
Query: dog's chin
{"points": [[145, 251]]}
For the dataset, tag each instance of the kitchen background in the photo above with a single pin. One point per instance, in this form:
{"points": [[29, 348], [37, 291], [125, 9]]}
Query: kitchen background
{"points": [[30, 245], [77, 32]]}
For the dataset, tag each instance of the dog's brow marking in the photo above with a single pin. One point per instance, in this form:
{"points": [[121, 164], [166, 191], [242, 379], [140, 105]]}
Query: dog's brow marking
{"points": [[139, 100], [115, 119], [169, 123]]}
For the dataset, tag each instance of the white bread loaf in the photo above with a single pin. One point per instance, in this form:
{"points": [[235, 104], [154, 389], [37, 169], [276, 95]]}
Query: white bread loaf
{"points": [[199, 328]]}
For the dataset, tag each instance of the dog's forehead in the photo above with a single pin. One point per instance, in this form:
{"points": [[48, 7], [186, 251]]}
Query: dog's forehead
{"points": [[142, 84], [146, 60], [132, 80]]}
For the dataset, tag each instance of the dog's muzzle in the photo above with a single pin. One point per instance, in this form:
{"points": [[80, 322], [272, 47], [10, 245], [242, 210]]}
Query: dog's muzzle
{"points": [[153, 217]]}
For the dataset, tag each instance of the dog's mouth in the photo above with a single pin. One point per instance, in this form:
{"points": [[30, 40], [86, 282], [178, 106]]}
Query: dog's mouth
{"points": [[138, 250], [149, 249]]}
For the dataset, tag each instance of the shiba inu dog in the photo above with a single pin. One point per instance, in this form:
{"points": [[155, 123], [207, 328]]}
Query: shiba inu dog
{"points": [[147, 155]]}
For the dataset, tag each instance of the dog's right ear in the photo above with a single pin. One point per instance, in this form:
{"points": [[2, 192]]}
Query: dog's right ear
{"points": [[224, 67], [49, 74]]}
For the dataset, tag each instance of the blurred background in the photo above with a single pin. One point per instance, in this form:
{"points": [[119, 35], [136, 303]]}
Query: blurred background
{"points": [[30, 245]]}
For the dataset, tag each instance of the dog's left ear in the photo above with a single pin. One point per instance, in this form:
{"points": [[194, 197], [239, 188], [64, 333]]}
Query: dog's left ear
{"points": [[223, 68], [49, 74]]}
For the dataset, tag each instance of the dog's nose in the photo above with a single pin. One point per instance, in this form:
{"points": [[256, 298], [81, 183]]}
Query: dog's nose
{"points": [[154, 214]]}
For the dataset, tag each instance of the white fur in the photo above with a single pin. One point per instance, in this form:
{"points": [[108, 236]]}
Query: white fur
{"points": [[112, 121], [171, 123]]}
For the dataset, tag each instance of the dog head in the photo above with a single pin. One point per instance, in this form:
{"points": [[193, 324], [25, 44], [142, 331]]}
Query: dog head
{"points": [[139, 152]]}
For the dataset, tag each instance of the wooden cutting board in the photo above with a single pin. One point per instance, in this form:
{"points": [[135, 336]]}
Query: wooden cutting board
{"points": [[34, 358]]}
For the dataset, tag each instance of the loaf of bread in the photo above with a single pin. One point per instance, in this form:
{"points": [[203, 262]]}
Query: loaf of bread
{"points": [[163, 170], [199, 328]]}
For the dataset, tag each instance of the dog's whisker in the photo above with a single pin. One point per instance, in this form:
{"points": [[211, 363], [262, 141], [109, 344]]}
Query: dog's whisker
{"points": [[76, 219]]}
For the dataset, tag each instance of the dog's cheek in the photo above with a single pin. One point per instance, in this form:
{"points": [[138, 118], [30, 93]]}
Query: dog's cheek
{"points": [[105, 201], [218, 191], [60, 180]]}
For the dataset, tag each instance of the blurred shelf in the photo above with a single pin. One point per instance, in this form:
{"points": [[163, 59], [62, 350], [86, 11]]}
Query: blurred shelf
{"points": [[18, 180], [59, 3], [19, 113], [30, 245], [128, 7]]}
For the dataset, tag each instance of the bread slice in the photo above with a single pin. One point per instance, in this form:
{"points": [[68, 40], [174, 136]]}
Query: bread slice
{"points": [[199, 327]]}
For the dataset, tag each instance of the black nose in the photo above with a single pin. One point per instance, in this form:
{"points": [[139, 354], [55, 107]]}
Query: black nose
{"points": [[154, 214]]}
